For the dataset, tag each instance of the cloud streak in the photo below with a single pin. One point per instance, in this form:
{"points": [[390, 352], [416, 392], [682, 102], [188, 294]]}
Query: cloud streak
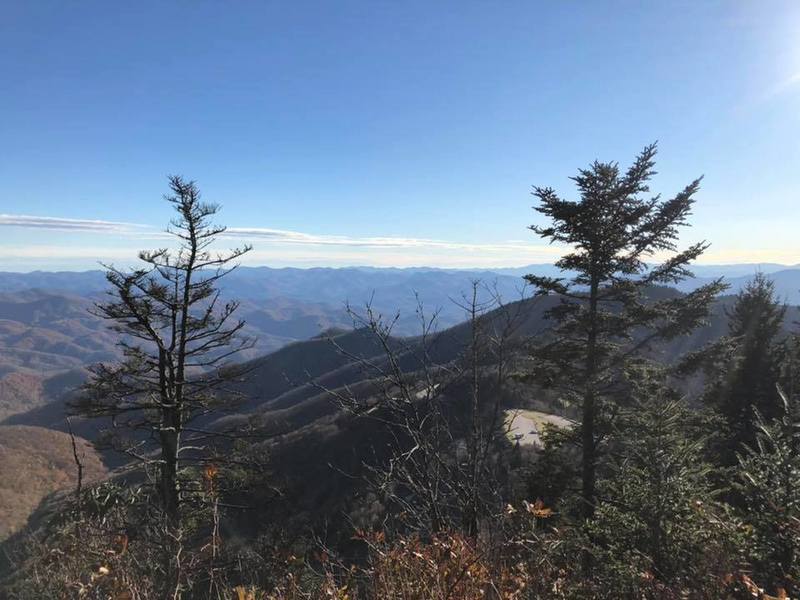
{"points": [[280, 236], [279, 247], [276, 237], [63, 224]]}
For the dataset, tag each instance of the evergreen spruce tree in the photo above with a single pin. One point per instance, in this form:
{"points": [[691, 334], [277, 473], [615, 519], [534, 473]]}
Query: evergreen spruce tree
{"points": [[769, 475], [788, 359], [745, 382], [658, 523], [608, 311]]}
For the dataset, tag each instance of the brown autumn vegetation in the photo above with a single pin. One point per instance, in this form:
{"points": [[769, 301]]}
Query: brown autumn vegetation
{"points": [[20, 391], [37, 462]]}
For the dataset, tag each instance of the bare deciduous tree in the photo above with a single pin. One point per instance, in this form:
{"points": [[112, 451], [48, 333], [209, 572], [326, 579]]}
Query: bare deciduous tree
{"points": [[442, 412]]}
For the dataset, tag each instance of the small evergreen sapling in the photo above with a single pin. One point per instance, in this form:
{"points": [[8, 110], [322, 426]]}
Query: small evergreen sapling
{"points": [[744, 382], [658, 522], [769, 482]]}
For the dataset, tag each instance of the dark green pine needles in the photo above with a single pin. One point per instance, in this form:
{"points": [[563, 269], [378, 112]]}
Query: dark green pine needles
{"points": [[611, 308]]}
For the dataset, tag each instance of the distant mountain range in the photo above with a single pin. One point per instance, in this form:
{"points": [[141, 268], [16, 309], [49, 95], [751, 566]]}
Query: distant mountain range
{"points": [[46, 326], [786, 280], [390, 287], [356, 284], [47, 333], [702, 271], [785, 277], [278, 385]]}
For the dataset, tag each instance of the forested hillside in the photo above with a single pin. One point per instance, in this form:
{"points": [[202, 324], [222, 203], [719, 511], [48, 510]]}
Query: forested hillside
{"points": [[37, 462]]}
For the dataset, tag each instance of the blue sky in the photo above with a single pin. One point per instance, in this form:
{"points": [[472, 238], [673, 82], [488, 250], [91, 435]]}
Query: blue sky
{"points": [[388, 133]]}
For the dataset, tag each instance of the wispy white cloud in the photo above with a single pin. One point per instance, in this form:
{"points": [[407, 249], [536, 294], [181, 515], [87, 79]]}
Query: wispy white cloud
{"points": [[279, 247], [263, 235], [64, 224], [48, 256], [55, 252], [280, 237]]}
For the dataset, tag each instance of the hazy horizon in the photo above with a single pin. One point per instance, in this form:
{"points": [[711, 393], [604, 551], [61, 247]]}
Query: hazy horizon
{"points": [[745, 267]]}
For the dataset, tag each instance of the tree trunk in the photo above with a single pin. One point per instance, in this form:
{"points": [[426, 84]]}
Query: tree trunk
{"points": [[589, 461], [169, 471], [589, 458], [170, 491], [475, 466]]}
